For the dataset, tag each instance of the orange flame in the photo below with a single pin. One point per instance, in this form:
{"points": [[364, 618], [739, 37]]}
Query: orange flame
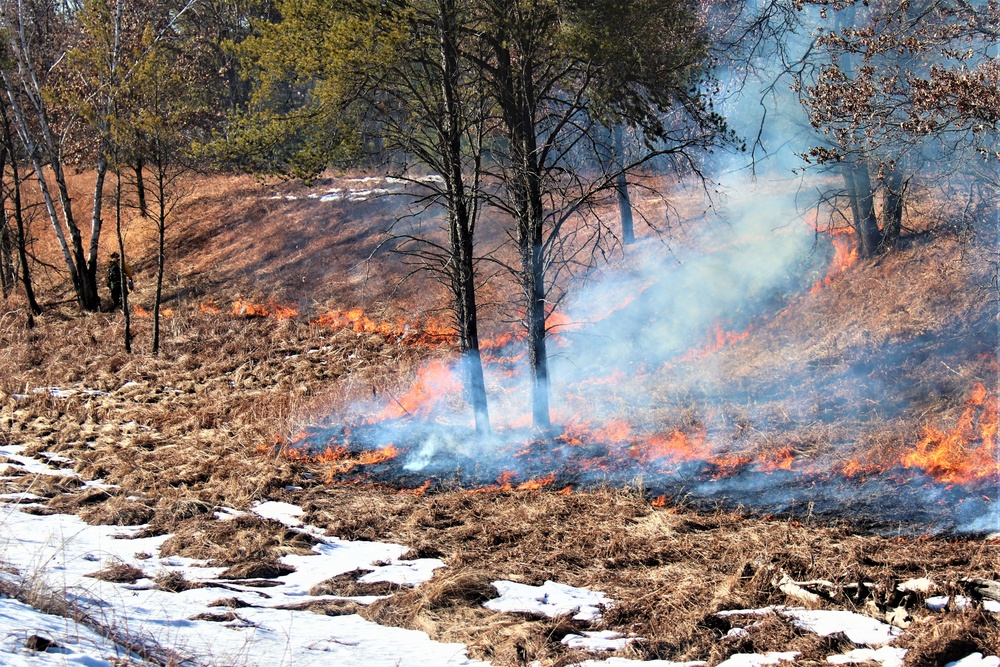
{"points": [[378, 455], [967, 453], [139, 311], [674, 447], [854, 468], [536, 484], [249, 309], [845, 255], [435, 381], [209, 308], [780, 459], [428, 333], [719, 339], [659, 501]]}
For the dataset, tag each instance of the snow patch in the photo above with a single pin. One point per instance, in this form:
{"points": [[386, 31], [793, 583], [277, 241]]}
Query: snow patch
{"points": [[625, 662], [404, 573], [286, 513], [758, 660], [942, 602], [604, 640], [887, 656], [74, 643], [58, 551], [976, 660], [550, 599], [859, 629]]}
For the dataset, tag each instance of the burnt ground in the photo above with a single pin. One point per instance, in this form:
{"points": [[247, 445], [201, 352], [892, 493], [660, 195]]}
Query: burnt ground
{"points": [[206, 424]]}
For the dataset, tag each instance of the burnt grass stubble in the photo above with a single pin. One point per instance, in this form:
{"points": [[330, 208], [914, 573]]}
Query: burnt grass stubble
{"points": [[196, 429]]}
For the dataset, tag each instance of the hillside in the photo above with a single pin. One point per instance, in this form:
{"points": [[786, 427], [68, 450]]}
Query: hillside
{"points": [[733, 414]]}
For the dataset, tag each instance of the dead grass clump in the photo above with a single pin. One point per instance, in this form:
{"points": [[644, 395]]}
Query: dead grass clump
{"points": [[423, 606], [326, 607], [181, 507], [256, 570], [232, 603], [119, 573], [242, 539], [47, 486], [938, 640], [70, 503], [347, 585], [174, 582], [215, 617], [118, 511]]}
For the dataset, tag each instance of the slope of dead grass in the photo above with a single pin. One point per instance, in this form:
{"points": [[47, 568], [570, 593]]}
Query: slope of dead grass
{"points": [[194, 429]]}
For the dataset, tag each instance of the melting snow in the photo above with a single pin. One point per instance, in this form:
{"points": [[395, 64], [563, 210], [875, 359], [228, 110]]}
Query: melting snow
{"points": [[976, 660], [405, 573], [921, 585], [74, 644], [625, 662], [550, 599], [605, 640], [859, 629], [757, 660], [31, 465], [940, 602], [286, 513], [887, 656], [59, 550]]}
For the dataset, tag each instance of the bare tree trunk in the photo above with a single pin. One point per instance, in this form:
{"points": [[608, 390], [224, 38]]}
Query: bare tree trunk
{"points": [[22, 239], [8, 277], [122, 276], [8, 274], [516, 104], [460, 224], [161, 229], [859, 189], [621, 188], [96, 221], [892, 207], [140, 187]]}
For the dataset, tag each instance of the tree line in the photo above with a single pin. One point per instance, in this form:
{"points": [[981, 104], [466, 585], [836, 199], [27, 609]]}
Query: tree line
{"points": [[539, 111]]}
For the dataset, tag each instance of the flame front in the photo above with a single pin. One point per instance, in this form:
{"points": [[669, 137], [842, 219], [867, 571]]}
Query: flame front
{"points": [[967, 453], [427, 333], [249, 309], [435, 382]]}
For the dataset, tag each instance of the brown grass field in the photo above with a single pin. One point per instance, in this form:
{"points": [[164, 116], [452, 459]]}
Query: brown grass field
{"points": [[203, 425]]}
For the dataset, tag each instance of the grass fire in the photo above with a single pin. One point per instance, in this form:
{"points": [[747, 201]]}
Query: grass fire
{"points": [[547, 334]]}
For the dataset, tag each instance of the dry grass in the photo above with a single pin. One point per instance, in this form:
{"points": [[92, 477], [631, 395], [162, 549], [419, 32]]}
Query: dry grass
{"points": [[194, 430], [119, 573]]}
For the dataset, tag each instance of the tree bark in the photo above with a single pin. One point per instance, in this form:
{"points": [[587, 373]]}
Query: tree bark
{"points": [[8, 274], [140, 187], [621, 188], [122, 277], [22, 240], [460, 224], [892, 208], [859, 189], [161, 229], [517, 104]]}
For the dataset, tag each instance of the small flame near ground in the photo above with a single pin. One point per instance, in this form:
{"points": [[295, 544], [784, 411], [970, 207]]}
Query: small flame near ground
{"points": [[139, 311], [249, 309]]}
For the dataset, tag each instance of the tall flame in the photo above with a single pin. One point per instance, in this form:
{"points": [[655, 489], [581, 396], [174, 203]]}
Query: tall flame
{"points": [[845, 255], [968, 452], [436, 381]]}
